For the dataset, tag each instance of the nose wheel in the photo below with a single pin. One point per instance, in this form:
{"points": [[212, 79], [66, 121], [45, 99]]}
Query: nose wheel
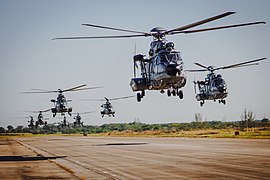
{"points": [[202, 103], [140, 96]]}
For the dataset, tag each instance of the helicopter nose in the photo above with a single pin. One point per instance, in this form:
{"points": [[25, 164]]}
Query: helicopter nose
{"points": [[172, 69], [221, 88]]}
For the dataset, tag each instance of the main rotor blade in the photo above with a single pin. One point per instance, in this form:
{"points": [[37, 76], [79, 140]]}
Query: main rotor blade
{"points": [[219, 27], [116, 29], [125, 97], [196, 70], [84, 112], [71, 89], [87, 88], [37, 92], [200, 22], [103, 37], [244, 65], [39, 111], [240, 64], [87, 112], [23, 117], [45, 90], [92, 100], [198, 64]]}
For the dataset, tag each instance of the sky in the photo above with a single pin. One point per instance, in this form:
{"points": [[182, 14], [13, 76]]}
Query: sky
{"points": [[30, 59]]}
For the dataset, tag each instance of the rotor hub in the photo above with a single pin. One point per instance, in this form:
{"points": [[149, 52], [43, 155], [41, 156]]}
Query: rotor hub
{"points": [[159, 30]]}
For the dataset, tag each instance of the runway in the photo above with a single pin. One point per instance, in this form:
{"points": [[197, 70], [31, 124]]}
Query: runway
{"points": [[86, 157]]}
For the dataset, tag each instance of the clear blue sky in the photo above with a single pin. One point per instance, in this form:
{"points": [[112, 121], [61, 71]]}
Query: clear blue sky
{"points": [[30, 59]]}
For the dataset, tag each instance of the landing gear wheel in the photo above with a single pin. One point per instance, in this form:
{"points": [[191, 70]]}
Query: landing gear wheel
{"points": [[223, 101], [173, 92], [143, 93], [201, 103], [139, 98], [168, 93], [180, 94]]}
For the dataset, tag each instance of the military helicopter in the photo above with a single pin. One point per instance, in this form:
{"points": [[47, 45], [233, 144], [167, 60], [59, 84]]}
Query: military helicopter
{"points": [[163, 69], [107, 106], [78, 118], [64, 123], [40, 120], [60, 104], [31, 123], [214, 86]]}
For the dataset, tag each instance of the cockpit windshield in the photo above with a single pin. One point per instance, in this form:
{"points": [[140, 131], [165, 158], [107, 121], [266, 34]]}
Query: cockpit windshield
{"points": [[218, 82], [170, 57]]}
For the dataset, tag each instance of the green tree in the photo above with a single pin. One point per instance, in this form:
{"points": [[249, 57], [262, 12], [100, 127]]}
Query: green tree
{"points": [[19, 129], [10, 128], [2, 130], [265, 122]]}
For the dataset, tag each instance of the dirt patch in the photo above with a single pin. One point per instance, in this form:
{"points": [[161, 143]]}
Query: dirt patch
{"points": [[18, 162]]}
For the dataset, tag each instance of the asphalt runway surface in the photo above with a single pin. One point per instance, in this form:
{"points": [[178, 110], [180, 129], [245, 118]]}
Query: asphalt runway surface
{"points": [[87, 157]]}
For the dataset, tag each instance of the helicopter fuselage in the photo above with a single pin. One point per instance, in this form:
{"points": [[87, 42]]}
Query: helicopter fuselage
{"points": [[107, 109], [163, 70], [213, 88], [60, 106]]}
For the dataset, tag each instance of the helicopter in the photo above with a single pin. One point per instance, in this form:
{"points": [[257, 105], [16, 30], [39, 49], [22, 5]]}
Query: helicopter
{"points": [[163, 69], [60, 103], [78, 118], [214, 86], [107, 106], [64, 123], [31, 123], [40, 120]]}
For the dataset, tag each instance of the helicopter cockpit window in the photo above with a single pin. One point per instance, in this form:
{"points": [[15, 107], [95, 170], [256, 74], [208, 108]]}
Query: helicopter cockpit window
{"points": [[219, 81], [174, 57], [170, 57], [163, 58]]}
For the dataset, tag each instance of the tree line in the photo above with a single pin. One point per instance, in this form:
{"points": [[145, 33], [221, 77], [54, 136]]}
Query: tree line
{"points": [[246, 123]]}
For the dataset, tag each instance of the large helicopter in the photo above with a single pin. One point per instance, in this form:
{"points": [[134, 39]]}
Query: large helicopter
{"points": [[60, 103], [214, 86], [78, 119], [163, 69], [107, 106]]}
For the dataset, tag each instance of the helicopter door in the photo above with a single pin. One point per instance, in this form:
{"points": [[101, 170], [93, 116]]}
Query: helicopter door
{"points": [[151, 65], [161, 62]]}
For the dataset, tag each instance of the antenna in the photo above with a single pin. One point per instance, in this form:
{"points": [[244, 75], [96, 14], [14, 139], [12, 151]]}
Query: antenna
{"points": [[134, 62]]}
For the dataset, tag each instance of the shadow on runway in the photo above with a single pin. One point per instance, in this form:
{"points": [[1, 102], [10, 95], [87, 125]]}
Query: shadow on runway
{"points": [[28, 158], [120, 144]]}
